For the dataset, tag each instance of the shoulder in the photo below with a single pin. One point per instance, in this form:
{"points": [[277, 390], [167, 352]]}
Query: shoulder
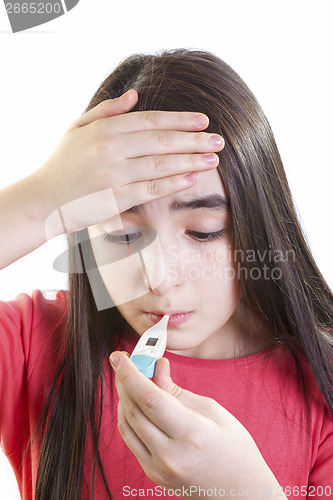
{"points": [[307, 388], [35, 306], [31, 328], [27, 323]]}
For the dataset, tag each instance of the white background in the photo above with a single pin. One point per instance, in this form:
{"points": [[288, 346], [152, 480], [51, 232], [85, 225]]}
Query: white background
{"points": [[282, 49]]}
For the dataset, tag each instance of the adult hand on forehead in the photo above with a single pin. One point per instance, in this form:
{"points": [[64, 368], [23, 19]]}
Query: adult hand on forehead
{"points": [[183, 440], [110, 160]]}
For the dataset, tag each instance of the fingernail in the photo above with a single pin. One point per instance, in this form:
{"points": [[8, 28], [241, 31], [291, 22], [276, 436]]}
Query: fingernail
{"points": [[125, 94], [191, 178], [114, 360], [210, 159], [201, 120], [216, 140]]}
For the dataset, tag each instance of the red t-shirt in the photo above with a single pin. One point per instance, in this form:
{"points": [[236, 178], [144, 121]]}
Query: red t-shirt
{"points": [[263, 395]]}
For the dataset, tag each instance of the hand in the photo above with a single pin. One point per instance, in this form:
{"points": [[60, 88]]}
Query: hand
{"points": [[183, 440], [110, 160]]}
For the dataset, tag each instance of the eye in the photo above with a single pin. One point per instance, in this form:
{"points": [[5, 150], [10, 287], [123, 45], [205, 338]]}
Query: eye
{"points": [[205, 237], [122, 239]]}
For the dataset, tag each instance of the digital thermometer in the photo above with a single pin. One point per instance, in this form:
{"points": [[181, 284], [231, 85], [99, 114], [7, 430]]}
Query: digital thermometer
{"points": [[150, 347]]}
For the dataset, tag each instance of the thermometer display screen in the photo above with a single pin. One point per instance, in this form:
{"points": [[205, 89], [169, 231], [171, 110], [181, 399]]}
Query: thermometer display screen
{"points": [[152, 341]]}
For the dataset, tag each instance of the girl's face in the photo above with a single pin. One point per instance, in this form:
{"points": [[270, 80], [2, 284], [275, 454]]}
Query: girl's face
{"points": [[185, 242]]}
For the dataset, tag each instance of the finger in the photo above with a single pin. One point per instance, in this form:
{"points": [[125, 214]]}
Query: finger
{"points": [[152, 167], [146, 431], [163, 379], [146, 191], [133, 442], [161, 142], [107, 108], [165, 411], [200, 404], [159, 120], [143, 455], [162, 374], [126, 353]]}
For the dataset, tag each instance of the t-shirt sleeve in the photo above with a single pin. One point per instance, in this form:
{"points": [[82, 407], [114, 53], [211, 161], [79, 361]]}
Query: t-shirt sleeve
{"points": [[321, 477], [25, 327], [15, 332]]}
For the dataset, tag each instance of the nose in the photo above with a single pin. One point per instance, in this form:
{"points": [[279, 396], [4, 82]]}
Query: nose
{"points": [[164, 269]]}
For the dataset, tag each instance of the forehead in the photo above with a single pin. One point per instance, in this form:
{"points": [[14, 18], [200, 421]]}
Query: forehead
{"points": [[198, 196], [208, 182]]}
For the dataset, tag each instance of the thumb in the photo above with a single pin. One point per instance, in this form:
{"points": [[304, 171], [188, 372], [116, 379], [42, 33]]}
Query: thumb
{"points": [[109, 107]]}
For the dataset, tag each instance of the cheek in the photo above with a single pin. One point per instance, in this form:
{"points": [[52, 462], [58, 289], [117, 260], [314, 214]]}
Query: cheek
{"points": [[131, 277], [215, 266], [221, 286], [216, 278], [126, 272], [124, 280]]}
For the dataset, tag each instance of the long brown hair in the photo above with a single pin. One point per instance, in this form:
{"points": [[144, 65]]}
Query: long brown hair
{"points": [[295, 302]]}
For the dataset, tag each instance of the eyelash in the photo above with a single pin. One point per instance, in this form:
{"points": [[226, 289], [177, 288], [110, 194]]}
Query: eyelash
{"points": [[199, 237], [122, 239], [208, 236]]}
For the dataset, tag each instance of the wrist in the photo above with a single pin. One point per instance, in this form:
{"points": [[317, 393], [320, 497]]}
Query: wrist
{"points": [[22, 220], [43, 210]]}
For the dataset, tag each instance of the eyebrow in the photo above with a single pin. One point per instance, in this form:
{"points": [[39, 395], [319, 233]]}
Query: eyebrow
{"points": [[213, 202]]}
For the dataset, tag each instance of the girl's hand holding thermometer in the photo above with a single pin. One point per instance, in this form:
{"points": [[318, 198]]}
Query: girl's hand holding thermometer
{"points": [[183, 440]]}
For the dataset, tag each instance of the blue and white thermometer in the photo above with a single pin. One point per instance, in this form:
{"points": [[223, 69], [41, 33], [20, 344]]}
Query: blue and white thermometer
{"points": [[150, 347]]}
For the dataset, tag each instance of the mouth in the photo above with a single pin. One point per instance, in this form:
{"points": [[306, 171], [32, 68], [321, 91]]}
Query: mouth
{"points": [[176, 318]]}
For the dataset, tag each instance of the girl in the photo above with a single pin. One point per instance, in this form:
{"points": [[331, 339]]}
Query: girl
{"points": [[174, 198]]}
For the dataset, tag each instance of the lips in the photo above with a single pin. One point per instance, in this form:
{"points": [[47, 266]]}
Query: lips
{"points": [[176, 318]]}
